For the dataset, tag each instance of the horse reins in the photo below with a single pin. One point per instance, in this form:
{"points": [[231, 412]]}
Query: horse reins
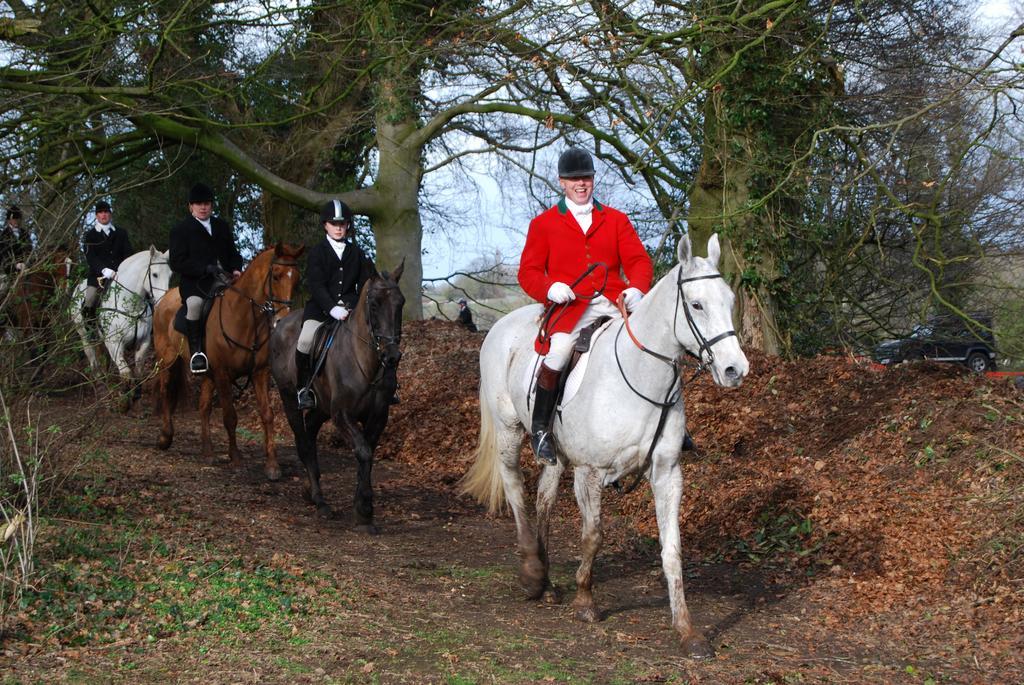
{"points": [[150, 297], [267, 308], [674, 392], [379, 342], [549, 317]]}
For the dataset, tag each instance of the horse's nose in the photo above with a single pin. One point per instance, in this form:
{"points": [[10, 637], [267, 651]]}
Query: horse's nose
{"points": [[732, 373]]}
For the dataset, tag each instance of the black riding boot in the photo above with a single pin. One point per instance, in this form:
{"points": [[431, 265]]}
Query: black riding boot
{"points": [[543, 412], [92, 325], [306, 396], [197, 362]]}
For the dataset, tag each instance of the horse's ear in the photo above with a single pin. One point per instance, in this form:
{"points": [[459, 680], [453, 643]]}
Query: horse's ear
{"points": [[152, 250], [684, 251], [714, 249], [397, 273], [279, 249]]}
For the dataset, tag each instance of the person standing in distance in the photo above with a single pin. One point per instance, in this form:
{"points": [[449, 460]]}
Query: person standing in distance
{"points": [[105, 247], [561, 244], [336, 270], [202, 247]]}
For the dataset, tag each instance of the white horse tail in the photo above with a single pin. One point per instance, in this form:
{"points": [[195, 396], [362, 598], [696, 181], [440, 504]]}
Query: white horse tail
{"points": [[483, 480]]}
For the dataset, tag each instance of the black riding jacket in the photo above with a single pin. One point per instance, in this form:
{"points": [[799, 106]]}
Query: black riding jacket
{"points": [[332, 281], [193, 251], [105, 251]]}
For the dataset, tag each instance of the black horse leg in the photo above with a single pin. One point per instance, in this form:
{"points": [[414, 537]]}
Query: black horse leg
{"points": [[363, 502], [306, 430]]}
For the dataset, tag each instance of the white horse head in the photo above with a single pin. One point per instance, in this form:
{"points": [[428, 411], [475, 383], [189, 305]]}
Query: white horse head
{"points": [[158, 274], [126, 308], [703, 322]]}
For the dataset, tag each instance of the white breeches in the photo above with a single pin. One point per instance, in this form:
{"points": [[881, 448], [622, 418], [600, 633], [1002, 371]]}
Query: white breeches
{"points": [[305, 341], [193, 307], [561, 343]]}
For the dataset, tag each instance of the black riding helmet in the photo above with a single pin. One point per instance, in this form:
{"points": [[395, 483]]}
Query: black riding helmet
{"points": [[200, 192], [575, 163], [336, 211]]}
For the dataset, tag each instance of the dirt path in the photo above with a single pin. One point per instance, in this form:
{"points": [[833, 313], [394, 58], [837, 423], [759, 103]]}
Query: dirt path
{"points": [[174, 570], [434, 597]]}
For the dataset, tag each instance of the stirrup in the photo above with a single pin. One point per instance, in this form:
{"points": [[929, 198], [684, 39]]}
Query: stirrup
{"points": [[543, 450], [306, 398], [198, 363]]}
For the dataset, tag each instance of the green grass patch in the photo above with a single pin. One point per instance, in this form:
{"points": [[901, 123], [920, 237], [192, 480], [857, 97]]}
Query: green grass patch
{"points": [[105, 577]]}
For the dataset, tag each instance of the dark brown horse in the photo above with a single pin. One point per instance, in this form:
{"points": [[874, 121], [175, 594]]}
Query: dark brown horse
{"points": [[35, 294], [237, 331], [355, 389]]}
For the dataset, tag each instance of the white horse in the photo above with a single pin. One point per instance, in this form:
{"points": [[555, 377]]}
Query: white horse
{"points": [[608, 423], [125, 313]]}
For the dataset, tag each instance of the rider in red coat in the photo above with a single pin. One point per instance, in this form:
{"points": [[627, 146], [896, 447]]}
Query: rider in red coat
{"points": [[562, 243]]}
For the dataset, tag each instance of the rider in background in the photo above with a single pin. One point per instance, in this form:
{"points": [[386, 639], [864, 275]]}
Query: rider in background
{"points": [[202, 248], [105, 247], [561, 244], [15, 244], [336, 270]]}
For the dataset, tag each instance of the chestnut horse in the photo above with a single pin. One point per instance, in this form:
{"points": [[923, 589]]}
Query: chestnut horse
{"points": [[354, 390], [237, 331]]}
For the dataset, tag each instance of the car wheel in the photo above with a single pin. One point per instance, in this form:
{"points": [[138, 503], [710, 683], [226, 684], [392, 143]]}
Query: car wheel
{"points": [[977, 362]]}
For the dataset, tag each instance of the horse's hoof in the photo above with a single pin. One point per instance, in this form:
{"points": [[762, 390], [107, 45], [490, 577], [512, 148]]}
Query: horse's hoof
{"points": [[551, 595], [164, 442], [273, 474], [368, 529], [588, 614], [533, 585], [696, 647]]}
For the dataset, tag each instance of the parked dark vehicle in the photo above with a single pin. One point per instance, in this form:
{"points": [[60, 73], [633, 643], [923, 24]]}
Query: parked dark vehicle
{"points": [[944, 339]]}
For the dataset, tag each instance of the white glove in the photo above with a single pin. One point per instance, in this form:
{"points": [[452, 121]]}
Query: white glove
{"points": [[560, 293], [339, 313], [631, 298], [109, 273]]}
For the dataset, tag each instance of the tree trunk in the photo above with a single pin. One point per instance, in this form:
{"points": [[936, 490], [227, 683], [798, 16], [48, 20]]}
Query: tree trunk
{"points": [[718, 203], [395, 216]]}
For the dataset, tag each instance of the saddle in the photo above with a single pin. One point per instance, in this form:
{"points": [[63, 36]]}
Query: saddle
{"points": [[180, 316], [320, 341], [579, 348], [582, 344]]}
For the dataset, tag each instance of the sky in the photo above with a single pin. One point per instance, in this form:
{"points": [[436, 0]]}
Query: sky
{"points": [[489, 220]]}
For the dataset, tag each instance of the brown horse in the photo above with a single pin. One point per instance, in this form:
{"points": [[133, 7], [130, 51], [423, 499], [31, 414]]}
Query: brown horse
{"points": [[237, 331], [33, 300], [35, 291]]}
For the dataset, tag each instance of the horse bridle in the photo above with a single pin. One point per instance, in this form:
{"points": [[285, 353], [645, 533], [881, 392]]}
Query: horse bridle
{"points": [[268, 287], [380, 341], [704, 345], [268, 307], [675, 389], [148, 295]]}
